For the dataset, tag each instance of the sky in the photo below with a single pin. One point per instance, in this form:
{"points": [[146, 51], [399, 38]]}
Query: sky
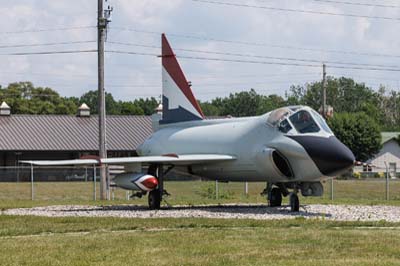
{"points": [[303, 32]]}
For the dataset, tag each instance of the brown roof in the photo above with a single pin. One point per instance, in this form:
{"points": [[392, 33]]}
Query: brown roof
{"points": [[71, 133]]}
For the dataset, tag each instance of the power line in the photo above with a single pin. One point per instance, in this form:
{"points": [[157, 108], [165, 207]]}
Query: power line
{"points": [[260, 44], [131, 53], [356, 3], [214, 59], [136, 44], [262, 56], [346, 3], [202, 84], [42, 44], [46, 74], [256, 75], [264, 62], [50, 52], [205, 76], [296, 10], [48, 30], [229, 90], [287, 64], [364, 77]]}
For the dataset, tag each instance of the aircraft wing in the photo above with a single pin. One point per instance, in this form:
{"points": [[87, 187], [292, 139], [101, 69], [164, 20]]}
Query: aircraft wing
{"points": [[186, 159]]}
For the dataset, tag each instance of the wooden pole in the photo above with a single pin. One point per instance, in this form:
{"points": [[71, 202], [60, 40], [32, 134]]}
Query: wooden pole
{"points": [[101, 28]]}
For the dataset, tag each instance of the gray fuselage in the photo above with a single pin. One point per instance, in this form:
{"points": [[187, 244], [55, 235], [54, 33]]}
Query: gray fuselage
{"points": [[251, 140]]}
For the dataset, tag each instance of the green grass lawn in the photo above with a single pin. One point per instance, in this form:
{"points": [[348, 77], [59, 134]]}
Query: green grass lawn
{"points": [[115, 241], [68, 241]]}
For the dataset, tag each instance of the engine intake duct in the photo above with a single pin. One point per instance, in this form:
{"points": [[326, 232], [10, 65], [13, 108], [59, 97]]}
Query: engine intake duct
{"points": [[282, 164]]}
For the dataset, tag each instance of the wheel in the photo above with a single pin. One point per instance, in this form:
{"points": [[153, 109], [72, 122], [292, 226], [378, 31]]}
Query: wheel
{"points": [[154, 199], [294, 202], [275, 199]]}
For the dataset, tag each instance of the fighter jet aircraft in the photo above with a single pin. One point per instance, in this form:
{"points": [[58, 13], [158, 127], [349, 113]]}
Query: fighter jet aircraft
{"points": [[291, 149]]}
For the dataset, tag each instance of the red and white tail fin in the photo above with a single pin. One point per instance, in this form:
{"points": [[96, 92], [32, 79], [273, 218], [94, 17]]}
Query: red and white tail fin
{"points": [[179, 103]]}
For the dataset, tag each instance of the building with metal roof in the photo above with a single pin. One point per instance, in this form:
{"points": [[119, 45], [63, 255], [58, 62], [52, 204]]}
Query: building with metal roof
{"points": [[46, 137], [71, 133]]}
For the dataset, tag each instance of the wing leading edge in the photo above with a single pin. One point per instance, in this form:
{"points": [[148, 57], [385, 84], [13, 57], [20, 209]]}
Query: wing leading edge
{"points": [[186, 159]]}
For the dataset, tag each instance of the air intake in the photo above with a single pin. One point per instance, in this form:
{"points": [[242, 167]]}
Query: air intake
{"points": [[282, 164]]}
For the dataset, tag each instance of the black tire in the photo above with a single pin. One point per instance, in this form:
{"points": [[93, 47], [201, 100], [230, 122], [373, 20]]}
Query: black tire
{"points": [[154, 199], [275, 199], [294, 202]]}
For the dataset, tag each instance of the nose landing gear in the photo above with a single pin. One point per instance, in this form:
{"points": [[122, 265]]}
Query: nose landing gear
{"points": [[274, 196]]}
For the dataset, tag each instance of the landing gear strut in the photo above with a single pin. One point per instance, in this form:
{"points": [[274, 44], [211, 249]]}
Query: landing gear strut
{"points": [[156, 195], [275, 197], [294, 202]]}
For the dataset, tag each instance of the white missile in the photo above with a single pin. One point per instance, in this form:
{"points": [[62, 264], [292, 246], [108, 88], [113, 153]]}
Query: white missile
{"points": [[130, 181]]}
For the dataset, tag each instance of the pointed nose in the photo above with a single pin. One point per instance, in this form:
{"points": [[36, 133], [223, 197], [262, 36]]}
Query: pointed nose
{"points": [[330, 155]]}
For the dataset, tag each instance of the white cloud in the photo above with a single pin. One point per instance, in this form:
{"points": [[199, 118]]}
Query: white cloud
{"points": [[146, 13]]}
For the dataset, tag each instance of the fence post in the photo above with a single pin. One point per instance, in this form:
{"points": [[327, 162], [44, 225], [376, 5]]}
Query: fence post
{"points": [[94, 182], [216, 189], [387, 181], [32, 188], [127, 195], [108, 193], [332, 189]]}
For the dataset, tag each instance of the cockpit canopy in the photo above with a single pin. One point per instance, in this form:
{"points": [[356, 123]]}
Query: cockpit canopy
{"points": [[303, 122], [298, 120]]}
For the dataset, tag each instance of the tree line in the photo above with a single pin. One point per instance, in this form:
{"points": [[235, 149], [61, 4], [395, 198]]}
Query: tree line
{"points": [[343, 94], [25, 98]]}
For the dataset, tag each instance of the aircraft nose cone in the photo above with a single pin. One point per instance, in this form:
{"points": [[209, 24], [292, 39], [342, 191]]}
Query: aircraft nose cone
{"points": [[330, 155]]}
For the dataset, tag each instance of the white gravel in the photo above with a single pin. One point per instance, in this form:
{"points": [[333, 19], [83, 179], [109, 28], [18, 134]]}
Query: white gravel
{"points": [[231, 211]]}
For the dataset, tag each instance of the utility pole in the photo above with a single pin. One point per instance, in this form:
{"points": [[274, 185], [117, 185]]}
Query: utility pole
{"points": [[102, 22], [324, 109]]}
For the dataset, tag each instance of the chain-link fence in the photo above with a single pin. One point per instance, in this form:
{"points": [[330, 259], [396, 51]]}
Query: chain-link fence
{"points": [[82, 184], [55, 183]]}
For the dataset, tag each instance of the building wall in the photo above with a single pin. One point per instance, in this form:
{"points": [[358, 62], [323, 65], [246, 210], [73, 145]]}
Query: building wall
{"points": [[379, 162], [390, 146], [389, 154]]}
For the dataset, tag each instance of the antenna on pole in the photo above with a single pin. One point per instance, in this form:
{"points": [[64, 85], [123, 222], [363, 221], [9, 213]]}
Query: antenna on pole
{"points": [[103, 18], [108, 11], [108, 15]]}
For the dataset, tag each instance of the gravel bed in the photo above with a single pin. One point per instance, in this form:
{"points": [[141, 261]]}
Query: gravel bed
{"points": [[227, 211]]}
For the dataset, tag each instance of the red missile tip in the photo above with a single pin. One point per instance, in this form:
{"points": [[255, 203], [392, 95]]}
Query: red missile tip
{"points": [[151, 183]]}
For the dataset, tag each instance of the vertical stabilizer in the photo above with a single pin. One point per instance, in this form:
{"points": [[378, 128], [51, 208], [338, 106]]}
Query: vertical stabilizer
{"points": [[179, 103]]}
